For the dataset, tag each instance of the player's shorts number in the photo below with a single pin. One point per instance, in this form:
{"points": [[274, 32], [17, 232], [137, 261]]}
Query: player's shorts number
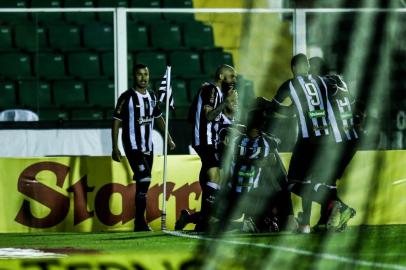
{"points": [[312, 91]]}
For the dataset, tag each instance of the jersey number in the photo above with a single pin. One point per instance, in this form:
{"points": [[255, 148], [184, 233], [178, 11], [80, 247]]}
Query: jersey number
{"points": [[312, 91]]}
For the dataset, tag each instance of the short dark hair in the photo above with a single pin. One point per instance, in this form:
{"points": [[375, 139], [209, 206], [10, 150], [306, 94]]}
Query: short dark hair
{"points": [[139, 66], [296, 59], [255, 119], [220, 70]]}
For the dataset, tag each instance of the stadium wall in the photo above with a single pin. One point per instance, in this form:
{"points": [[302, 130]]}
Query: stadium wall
{"points": [[95, 194]]}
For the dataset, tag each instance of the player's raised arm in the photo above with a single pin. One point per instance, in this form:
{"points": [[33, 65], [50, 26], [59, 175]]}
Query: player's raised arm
{"points": [[230, 99]]}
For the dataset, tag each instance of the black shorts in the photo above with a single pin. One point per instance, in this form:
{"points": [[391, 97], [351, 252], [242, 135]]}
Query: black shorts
{"points": [[306, 162], [141, 164], [209, 156]]}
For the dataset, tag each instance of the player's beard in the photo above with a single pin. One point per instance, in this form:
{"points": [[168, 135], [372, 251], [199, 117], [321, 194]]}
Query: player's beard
{"points": [[225, 86]]}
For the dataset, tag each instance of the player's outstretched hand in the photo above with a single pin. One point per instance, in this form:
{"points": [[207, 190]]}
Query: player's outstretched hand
{"points": [[116, 155]]}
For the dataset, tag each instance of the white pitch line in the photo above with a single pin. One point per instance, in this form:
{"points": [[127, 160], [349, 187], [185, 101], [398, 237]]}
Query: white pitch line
{"points": [[325, 256], [400, 181], [18, 253]]}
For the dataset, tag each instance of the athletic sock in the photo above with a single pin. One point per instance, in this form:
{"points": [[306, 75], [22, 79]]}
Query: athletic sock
{"points": [[141, 200]]}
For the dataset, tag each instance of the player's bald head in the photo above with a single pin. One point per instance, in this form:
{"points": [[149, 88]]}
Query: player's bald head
{"points": [[222, 70]]}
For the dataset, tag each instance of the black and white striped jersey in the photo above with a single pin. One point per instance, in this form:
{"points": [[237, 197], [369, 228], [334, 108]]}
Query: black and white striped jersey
{"points": [[343, 107], [137, 111], [309, 97], [250, 157], [206, 132]]}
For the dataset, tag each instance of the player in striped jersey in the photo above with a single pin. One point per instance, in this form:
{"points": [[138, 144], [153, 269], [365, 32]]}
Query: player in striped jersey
{"points": [[255, 170], [136, 112], [307, 95], [205, 114], [342, 149], [226, 122]]}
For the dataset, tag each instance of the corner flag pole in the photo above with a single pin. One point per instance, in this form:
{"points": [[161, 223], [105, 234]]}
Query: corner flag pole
{"points": [[168, 85]]}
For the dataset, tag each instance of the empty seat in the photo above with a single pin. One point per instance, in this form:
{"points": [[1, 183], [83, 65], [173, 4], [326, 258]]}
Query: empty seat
{"points": [[112, 3], [165, 36], [13, 3], [195, 85], [46, 16], [80, 17], [46, 3], [30, 37], [64, 37], [156, 62], [69, 93], [108, 63], [98, 36], [53, 114], [178, 17], [5, 38], [13, 17], [101, 93], [145, 17], [15, 65], [215, 58], [50, 65], [8, 95], [185, 64], [180, 95], [198, 35], [84, 65], [137, 37], [34, 93], [87, 114]]}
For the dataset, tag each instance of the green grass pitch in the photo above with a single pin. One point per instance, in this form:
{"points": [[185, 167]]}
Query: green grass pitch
{"points": [[360, 247]]}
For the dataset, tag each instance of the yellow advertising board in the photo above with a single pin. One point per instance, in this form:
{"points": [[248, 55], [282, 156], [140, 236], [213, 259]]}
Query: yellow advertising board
{"points": [[95, 194]]}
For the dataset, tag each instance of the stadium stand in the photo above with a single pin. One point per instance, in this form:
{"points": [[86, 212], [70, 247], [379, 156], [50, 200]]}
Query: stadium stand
{"points": [[61, 62]]}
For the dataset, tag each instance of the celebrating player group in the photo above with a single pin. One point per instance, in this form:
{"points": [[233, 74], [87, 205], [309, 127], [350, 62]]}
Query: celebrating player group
{"points": [[244, 184]]}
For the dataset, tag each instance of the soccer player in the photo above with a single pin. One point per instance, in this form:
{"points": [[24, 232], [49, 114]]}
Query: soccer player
{"points": [[136, 112], [255, 169], [206, 114], [307, 94], [343, 148]]}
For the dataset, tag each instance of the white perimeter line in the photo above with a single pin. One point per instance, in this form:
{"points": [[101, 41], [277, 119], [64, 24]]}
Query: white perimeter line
{"points": [[26, 253], [325, 256]]}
